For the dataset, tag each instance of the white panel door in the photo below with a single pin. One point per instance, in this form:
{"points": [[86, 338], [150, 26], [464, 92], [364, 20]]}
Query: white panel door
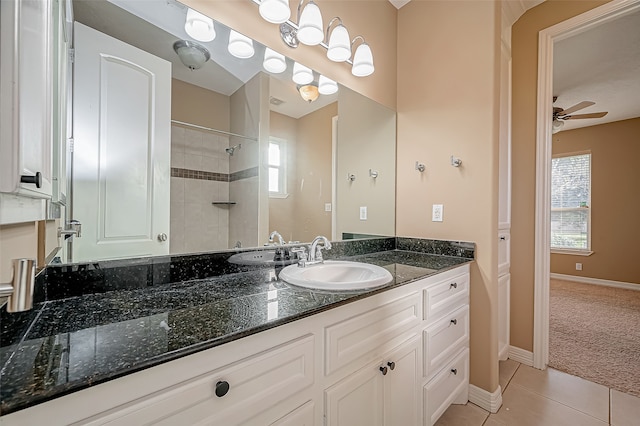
{"points": [[121, 160], [401, 387]]}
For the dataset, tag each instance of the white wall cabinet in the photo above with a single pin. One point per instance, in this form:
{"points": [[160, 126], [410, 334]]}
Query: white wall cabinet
{"points": [[382, 360]]}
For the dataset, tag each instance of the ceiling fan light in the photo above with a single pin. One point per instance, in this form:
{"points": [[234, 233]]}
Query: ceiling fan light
{"points": [[301, 74], [557, 125], [362, 61], [199, 27], [274, 62], [240, 45], [326, 86], [339, 44], [275, 11], [310, 27]]}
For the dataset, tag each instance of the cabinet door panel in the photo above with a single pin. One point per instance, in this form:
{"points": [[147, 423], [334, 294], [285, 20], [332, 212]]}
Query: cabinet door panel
{"points": [[356, 400], [401, 386], [301, 416]]}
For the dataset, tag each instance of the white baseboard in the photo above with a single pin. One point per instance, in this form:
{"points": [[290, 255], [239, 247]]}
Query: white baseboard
{"points": [[596, 281], [484, 399], [520, 355]]}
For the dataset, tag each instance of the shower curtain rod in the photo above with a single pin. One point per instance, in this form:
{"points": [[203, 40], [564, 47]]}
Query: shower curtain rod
{"points": [[182, 123]]}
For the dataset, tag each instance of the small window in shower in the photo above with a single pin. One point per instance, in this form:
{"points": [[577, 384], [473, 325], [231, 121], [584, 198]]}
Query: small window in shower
{"points": [[277, 168]]}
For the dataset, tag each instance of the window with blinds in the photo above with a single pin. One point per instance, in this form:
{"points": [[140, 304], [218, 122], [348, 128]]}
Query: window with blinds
{"points": [[570, 202], [277, 168]]}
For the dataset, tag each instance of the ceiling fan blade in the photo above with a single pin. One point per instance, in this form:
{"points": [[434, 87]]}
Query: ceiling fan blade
{"points": [[577, 107], [592, 115]]}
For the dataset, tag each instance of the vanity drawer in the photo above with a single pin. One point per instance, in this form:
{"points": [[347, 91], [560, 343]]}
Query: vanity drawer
{"points": [[445, 296], [450, 385], [367, 336], [255, 384], [445, 338]]}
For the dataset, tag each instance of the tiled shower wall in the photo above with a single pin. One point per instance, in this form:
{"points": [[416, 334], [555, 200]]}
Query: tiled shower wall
{"points": [[199, 176]]}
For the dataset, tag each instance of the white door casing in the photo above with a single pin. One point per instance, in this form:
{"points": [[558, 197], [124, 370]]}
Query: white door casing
{"points": [[122, 148]]}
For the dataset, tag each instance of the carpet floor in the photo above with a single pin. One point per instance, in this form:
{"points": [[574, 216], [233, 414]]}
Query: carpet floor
{"points": [[594, 333]]}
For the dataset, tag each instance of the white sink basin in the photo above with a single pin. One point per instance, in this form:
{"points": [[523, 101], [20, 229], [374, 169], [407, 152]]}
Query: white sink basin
{"points": [[337, 275]]}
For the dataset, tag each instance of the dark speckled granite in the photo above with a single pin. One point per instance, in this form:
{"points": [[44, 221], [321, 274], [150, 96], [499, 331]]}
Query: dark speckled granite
{"points": [[114, 318]]}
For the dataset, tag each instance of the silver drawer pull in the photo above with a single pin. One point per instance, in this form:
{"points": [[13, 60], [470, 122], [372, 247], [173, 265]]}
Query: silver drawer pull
{"points": [[454, 371], [454, 321], [453, 285]]}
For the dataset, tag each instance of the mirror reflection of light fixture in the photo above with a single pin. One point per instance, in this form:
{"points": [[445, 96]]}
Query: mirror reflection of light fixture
{"points": [[275, 11], [192, 55], [301, 74], [199, 27], [308, 92], [326, 86], [556, 126], [362, 59], [274, 62], [240, 45], [339, 49]]}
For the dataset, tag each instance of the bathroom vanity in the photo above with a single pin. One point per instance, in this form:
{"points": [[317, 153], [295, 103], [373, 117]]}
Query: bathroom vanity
{"points": [[240, 346]]}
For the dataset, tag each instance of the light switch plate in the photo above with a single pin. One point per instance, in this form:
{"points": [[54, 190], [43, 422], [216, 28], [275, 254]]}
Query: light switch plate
{"points": [[363, 213], [437, 213]]}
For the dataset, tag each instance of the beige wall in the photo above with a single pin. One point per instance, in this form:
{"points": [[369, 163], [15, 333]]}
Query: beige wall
{"points": [[615, 203], [524, 43], [448, 104], [375, 20], [16, 241], [366, 140], [313, 178], [282, 210], [195, 105]]}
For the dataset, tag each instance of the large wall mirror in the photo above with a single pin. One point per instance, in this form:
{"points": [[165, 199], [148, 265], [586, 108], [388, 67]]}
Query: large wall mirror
{"points": [[211, 151]]}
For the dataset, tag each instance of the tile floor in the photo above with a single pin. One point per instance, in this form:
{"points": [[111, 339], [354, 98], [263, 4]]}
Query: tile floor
{"points": [[532, 397]]}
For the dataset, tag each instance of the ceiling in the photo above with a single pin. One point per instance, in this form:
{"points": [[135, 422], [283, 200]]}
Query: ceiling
{"points": [[601, 65]]}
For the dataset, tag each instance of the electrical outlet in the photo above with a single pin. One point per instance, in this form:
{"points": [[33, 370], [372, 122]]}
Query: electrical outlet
{"points": [[327, 207], [437, 213], [363, 213], [578, 266]]}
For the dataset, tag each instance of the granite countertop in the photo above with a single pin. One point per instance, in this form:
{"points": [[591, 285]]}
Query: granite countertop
{"points": [[76, 342]]}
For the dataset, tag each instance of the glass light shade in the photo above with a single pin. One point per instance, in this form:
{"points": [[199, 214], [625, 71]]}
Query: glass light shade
{"points": [[274, 62], [339, 44], [310, 29], [275, 11], [199, 27], [302, 74], [240, 45], [192, 55], [326, 86], [362, 61], [309, 92]]}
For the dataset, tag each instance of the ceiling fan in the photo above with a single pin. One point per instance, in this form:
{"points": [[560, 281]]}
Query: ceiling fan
{"points": [[560, 114]]}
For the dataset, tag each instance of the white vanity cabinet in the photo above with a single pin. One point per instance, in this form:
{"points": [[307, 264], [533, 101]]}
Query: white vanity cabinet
{"points": [[399, 357]]}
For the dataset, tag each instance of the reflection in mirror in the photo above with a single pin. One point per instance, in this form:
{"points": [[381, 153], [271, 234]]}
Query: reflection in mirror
{"points": [[190, 155]]}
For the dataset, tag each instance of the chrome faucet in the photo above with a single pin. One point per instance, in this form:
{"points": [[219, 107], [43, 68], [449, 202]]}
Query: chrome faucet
{"points": [[275, 234], [315, 251]]}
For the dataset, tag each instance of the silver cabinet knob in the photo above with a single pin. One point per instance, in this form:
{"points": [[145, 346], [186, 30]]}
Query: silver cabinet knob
{"points": [[162, 237]]}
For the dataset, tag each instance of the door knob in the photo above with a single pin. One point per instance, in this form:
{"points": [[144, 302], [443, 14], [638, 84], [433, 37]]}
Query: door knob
{"points": [[162, 237], [383, 370], [391, 365], [36, 180], [222, 387]]}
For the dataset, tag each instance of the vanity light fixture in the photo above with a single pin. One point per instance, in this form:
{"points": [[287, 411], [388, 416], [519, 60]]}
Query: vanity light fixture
{"points": [[326, 86], [240, 45], [199, 27], [309, 92], [362, 59], [274, 62], [192, 55], [275, 11], [302, 75], [310, 27], [339, 49]]}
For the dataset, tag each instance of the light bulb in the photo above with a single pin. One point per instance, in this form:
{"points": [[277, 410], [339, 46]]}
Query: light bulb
{"points": [[275, 11], [310, 30], [240, 45], [199, 27]]}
